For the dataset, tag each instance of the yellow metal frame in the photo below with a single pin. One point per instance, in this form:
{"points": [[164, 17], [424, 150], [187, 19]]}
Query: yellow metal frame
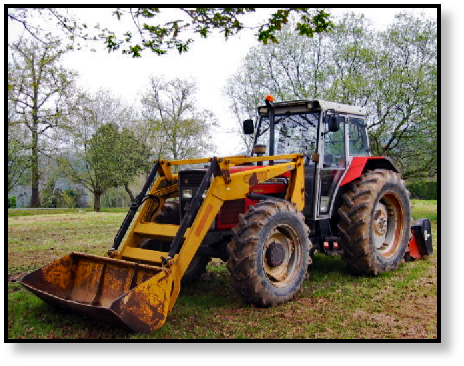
{"points": [[224, 187], [138, 287]]}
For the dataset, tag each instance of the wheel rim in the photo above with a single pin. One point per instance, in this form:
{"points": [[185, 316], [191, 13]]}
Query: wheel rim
{"points": [[387, 225], [281, 256]]}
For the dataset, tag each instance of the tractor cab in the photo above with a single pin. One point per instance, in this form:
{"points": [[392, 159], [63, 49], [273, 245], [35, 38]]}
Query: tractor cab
{"points": [[329, 135]]}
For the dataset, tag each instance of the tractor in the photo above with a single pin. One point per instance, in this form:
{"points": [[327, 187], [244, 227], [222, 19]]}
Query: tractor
{"points": [[309, 184]]}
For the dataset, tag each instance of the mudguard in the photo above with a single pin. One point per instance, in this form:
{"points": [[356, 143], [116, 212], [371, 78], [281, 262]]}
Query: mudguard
{"points": [[360, 164]]}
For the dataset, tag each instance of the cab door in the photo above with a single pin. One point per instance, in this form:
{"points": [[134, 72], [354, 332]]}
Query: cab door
{"points": [[332, 166]]}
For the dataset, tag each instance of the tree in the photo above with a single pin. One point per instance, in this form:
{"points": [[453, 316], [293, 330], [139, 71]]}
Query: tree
{"points": [[115, 158], [177, 127], [111, 159], [148, 32], [39, 88], [18, 158], [404, 104], [18, 162], [393, 74], [350, 53], [134, 159], [105, 155]]}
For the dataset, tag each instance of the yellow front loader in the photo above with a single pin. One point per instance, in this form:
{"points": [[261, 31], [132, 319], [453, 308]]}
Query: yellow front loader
{"points": [[138, 287]]}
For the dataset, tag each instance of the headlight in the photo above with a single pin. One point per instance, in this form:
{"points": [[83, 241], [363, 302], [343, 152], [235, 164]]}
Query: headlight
{"points": [[325, 203], [187, 193]]}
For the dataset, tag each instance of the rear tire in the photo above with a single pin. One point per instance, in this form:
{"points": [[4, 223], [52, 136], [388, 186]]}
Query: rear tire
{"points": [[374, 222], [269, 254]]}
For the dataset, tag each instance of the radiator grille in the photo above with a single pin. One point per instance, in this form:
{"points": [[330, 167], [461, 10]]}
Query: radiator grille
{"points": [[189, 179]]}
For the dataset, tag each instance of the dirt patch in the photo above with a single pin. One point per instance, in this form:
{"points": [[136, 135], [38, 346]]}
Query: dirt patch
{"points": [[416, 318]]}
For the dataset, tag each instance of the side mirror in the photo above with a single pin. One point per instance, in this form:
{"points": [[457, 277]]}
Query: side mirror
{"points": [[248, 127], [333, 121]]}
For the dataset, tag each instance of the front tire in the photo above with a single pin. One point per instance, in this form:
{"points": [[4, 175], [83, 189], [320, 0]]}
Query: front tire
{"points": [[269, 254], [374, 222]]}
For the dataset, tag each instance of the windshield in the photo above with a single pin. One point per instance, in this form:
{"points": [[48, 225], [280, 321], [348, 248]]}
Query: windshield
{"points": [[294, 133]]}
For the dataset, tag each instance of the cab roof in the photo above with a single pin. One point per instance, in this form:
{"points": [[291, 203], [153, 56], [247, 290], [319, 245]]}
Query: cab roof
{"points": [[306, 105]]}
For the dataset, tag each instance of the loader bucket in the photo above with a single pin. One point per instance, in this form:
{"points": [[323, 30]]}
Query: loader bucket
{"points": [[115, 291]]}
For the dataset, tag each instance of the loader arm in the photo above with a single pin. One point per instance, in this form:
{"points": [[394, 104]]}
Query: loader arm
{"points": [[224, 187]]}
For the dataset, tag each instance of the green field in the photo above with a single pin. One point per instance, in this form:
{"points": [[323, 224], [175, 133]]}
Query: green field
{"points": [[333, 304]]}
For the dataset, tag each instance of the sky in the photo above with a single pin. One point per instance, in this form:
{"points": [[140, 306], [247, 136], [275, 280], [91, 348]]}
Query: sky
{"points": [[209, 62]]}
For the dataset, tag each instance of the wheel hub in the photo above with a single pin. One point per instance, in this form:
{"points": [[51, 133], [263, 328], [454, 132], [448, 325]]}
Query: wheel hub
{"points": [[380, 220], [386, 226], [275, 254]]}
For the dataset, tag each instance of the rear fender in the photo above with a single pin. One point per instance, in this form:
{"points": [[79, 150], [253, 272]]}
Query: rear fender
{"points": [[361, 164]]}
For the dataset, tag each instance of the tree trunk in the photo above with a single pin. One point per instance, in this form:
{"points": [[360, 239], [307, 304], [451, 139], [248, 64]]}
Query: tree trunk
{"points": [[35, 198], [129, 192], [96, 201]]}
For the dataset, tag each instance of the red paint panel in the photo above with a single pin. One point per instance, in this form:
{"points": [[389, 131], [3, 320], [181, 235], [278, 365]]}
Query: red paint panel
{"points": [[227, 220], [356, 168], [414, 249]]}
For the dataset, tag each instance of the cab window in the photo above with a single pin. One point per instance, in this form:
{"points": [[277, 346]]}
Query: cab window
{"points": [[358, 139]]}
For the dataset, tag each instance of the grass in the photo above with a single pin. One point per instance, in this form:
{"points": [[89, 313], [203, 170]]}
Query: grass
{"points": [[34, 211], [425, 209], [333, 304]]}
